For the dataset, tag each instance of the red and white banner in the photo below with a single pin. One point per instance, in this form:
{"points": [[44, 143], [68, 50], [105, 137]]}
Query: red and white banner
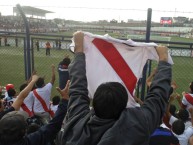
{"points": [[109, 59]]}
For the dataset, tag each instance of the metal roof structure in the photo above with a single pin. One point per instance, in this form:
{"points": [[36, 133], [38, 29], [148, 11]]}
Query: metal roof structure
{"points": [[32, 11]]}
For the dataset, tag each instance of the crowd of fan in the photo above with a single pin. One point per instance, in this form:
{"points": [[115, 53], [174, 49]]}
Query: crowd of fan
{"points": [[15, 23], [107, 121]]}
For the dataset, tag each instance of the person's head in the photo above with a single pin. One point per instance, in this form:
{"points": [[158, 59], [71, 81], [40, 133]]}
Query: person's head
{"points": [[11, 92], [22, 86], [40, 82], [56, 100], [183, 114], [13, 126], [110, 99], [66, 61], [9, 86], [172, 109], [191, 87], [178, 127]]}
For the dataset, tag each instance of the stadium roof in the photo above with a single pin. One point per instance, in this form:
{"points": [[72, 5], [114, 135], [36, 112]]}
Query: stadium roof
{"points": [[32, 11]]}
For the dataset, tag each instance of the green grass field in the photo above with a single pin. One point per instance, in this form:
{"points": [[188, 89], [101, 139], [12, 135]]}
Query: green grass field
{"points": [[12, 65]]}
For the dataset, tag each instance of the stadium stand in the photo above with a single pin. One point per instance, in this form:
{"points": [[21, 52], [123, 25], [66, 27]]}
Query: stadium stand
{"points": [[15, 22]]}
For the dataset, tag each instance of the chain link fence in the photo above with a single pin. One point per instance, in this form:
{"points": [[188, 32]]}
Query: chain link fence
{"points": [[12, 64], [12, 60], [13, 46]]}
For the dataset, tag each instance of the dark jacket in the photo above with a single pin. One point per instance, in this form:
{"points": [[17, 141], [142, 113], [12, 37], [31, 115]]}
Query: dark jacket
{"points": [[63, 75], [46, 133], [134, 126], [2, 113]]}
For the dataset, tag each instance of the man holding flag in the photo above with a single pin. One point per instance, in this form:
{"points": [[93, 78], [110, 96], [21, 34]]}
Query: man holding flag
{"points": [[110, 122]]}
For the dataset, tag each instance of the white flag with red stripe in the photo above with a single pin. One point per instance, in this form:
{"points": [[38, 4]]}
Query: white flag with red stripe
{"points": [[109, 59]]}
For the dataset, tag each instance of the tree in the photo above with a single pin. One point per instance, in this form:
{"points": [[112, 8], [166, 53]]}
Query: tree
{"points": [[114, 21]]}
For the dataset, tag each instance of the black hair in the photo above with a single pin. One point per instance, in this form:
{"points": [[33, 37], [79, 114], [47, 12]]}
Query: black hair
{"points": [[183, 114], [11, 92], [191, 87], [178, 127], [56, 100], [22, 86], [12, 135], [40, 82], [110, 99], [66, 61]]}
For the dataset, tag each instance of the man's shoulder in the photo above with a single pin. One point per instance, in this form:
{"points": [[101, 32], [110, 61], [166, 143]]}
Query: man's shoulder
{"points": [[48, 85]]}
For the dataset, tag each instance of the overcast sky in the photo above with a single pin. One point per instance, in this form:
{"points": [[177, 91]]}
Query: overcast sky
{"points": [[93, 10]]}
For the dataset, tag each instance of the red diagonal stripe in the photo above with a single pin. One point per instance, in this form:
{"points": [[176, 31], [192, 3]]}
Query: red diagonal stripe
{"points": [[189, 98], [25, 108], [117, 62]]}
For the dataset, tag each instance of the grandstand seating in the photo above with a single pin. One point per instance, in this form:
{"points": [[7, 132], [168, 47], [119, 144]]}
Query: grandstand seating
{"points": [[16, 24]]}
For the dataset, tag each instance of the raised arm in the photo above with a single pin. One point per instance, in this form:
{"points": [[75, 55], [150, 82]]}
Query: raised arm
{"points": [[23, 94], [149, 79], [53, 75], [33, 73], [156, 100], [168, 107], [79, 100], [178, 98], [48, 132]]}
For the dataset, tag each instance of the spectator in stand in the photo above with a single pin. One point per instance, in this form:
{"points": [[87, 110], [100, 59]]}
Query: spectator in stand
{"points": [[7, 87], [16, 41], [163, 136], [178, 127], [182, 114], [37, 45], [42, 98], [59, 44], [5, 40], [8, 101], [27, 104], [165, 118], [63, 72], [181, 127], [19, 100], [54, 104], [13, 126], [173, 110], [111, 123], [151, 76], [48, 47], [187, 100], [56, 41]]}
